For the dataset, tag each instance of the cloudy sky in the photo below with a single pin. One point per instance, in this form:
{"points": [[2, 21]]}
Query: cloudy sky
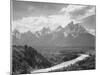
{"points": [[33, 16]]}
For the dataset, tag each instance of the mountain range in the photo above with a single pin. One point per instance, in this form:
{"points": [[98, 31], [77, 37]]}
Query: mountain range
{"points": [[72, 35]]}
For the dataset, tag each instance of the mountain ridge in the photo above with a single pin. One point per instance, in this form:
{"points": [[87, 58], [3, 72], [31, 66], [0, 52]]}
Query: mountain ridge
{"points": [[70, 35]]}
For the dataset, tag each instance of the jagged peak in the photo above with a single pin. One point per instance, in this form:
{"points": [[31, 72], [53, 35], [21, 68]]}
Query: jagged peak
{"points": [[59, 28], [38, 33], [71, 23], [77, 28], [16, 33], [45, 30]]}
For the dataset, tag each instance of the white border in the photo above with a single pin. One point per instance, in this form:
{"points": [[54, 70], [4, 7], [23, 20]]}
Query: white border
{"points": [[5, 37]]}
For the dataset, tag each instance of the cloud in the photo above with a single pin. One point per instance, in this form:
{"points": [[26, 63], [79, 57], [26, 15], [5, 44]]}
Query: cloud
{"points": [[77, 13], [71, 8], [73, 12], [83, 14], [37, 23], [59, 20], [29, 23]]}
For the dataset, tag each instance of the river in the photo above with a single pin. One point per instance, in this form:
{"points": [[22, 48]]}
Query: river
{"points": [[62, 65]]}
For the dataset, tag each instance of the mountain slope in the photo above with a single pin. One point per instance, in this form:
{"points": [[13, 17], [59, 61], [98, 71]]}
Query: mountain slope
{"points": [[26, 58]]}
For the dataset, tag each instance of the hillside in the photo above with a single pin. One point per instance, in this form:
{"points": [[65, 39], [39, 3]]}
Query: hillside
{"points": [[25, 58]]}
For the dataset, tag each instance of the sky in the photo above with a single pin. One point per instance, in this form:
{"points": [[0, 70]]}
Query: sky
{"points": [[33, 16]]}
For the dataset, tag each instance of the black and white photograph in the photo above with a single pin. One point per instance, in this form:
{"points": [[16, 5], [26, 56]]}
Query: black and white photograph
{"points": [[52, 37]]}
